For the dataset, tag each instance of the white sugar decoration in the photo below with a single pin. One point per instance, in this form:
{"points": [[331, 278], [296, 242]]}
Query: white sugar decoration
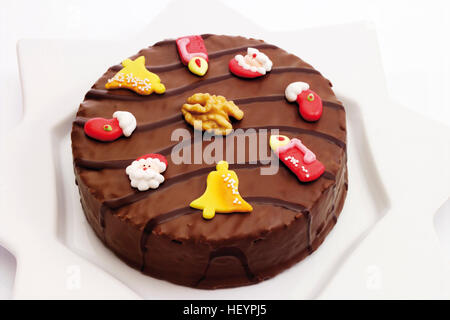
{"points": [[306, 171], [261, 58], [141, 84], [294, 89], [236, 200], [230, 182], [127, 122], [293, 160], [266, 63], [146, 173]]}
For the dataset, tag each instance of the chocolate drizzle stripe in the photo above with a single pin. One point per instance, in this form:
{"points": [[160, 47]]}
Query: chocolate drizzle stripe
{"points": [[158, 124], [221, 53], [166, 151], [140, 195], [329, 176], [105, 94], [137, 196], [294, 69], [333, 105], [297, 130], [309, 217], [107, 164], [214, 55], [225, 251], [152, 223], [229, 252], [122, 163], [278, 203], [101, 218], [80, 121]]}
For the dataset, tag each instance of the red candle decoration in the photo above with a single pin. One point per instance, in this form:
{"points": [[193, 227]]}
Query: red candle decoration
{"points": [[297, 157], [193, 53]]}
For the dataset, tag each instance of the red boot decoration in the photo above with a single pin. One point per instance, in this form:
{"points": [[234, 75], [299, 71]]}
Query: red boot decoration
{"points": [[309, 102]]}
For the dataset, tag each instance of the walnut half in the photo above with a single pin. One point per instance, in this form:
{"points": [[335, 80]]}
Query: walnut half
{"points": [[211, 113]]}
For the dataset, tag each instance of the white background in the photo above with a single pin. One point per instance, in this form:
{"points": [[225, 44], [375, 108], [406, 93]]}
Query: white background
{"points": [[414, 38]]}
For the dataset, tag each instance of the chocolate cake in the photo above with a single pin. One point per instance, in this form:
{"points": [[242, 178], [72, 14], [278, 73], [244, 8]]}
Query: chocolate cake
{"points": [[157, 231]]}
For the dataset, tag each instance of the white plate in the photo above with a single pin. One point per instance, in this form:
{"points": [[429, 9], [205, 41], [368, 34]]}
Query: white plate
{"points": [[384, 244]]}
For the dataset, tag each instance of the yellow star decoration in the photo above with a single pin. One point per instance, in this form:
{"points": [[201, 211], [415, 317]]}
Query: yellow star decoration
{"points": [[136, 77], [221, 194]]}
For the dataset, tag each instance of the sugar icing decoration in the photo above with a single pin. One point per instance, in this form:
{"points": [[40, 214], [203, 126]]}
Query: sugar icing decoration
{"points": [[309, 103], [136, 77], [211, 113], [145, 172], [193, 54], [297, 157], [123, 123], [221, 194], [253, 64]]}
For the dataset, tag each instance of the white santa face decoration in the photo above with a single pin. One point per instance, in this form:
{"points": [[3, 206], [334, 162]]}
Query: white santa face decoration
{"points": [[253, 64], [145, 172]]}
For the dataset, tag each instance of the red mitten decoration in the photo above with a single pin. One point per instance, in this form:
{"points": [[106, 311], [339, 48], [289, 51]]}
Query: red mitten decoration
{"points": [[122, 123], [103, 129], [309, 103]]}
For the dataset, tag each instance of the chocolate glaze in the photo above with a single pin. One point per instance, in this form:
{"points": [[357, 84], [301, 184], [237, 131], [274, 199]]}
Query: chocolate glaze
{"points": [[139, 195], [178, 117], [232, 252], [156, 231], [103, 93]]}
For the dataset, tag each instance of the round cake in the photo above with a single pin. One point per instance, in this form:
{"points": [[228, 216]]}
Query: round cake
{"points": [[160, 230]]}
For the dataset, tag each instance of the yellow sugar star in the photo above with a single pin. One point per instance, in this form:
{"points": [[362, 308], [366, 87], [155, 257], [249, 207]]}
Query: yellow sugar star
{"points": [[221, 194], [136, 77]]}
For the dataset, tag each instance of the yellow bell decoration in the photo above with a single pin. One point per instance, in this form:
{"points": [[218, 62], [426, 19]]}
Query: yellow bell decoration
{"points": [[136, 77], [221, 194]]}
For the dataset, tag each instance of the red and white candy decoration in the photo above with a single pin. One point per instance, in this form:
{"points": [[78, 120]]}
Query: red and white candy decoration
{"points": [[145, 172], [193, 53], [297, 157], [254, 64], [309, 102], [123, 123]]}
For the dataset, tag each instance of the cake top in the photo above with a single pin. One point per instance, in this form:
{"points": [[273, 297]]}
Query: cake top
{"points": [[226, 88]]}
